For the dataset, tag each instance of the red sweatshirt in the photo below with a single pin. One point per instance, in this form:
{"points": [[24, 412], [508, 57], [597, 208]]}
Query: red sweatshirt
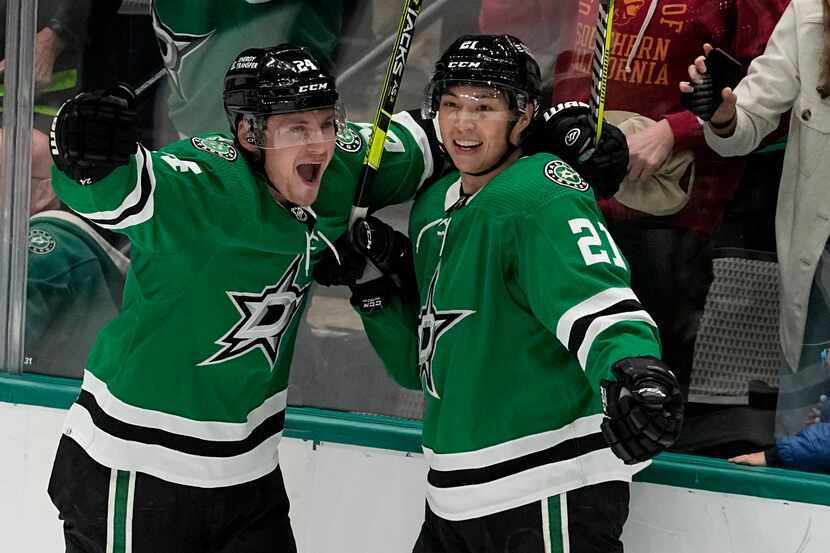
{"points": [[670, 41]]}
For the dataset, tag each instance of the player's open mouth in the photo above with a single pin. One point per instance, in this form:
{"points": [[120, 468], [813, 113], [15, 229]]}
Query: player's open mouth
{"points": [[467, 145], [310, 172]]}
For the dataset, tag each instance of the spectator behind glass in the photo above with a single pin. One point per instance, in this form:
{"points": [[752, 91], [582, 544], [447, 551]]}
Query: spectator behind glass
{"points": [[74, 282], [793, 73], [670, 256], [532, 20], [62, 32], [808, 450], [199, 39]]}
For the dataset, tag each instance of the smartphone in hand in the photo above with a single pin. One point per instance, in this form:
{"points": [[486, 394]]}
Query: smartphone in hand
{"points": [[725, 70]]}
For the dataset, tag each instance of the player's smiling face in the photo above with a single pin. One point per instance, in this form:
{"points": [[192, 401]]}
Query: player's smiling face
{"points": [[476, 123], [299, 148]]}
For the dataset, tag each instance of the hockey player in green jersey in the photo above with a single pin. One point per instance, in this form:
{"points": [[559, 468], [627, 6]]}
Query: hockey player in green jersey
{"points": [[540, 370], [172, 444], [74, 278], [198, 39]]}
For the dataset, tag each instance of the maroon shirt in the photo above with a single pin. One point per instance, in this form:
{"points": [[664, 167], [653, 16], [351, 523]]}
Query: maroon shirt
{"points": [[671, 41]]}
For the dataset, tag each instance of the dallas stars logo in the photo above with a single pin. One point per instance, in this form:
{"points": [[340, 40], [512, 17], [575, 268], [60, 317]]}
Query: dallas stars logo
{"points": [[265, 318], [432, 324], [41, 242], [563, 174], [175, 47]]}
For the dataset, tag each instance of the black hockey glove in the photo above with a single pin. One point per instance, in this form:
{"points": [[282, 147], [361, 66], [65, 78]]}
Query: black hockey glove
{"points": [[329, 271], [643, 409], [566, 131], [390, 272], [95, 132], [390, 255]]}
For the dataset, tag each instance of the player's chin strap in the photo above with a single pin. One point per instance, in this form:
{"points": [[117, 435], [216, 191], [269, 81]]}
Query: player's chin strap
{"points": [[257, 162]]}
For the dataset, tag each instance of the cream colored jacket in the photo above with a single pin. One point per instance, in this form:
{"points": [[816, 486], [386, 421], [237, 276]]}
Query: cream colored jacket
{"points": [[785, 76]]}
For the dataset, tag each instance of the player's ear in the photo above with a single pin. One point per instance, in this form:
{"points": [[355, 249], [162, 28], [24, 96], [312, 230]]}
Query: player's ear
{"points": [[243, 128], [521, 126]]}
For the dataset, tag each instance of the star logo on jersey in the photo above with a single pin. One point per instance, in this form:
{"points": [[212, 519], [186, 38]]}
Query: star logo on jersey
{"points": [[432, 325], [265, 317], [175, 47]]}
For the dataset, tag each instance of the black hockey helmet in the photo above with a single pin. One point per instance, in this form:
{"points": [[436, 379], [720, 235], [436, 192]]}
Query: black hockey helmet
{"points": [[282, 79], [500, 61]]}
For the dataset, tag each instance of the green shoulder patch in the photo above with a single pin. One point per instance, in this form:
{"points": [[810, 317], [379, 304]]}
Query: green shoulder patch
{"points": [[41, 242], [349, 141], [216, 145], [564, 175]]}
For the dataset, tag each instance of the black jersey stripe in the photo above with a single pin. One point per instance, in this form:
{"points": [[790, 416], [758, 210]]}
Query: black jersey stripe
{"points": [[580, 326], [184, 444], [138, 207], [563, 451]]}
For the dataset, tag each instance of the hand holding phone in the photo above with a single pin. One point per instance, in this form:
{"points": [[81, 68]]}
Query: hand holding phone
{"points": [[725, 70], [709, 76]]}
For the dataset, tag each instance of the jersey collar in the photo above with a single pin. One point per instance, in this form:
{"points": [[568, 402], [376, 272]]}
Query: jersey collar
{"points": [[455, 198], [304, 215]]}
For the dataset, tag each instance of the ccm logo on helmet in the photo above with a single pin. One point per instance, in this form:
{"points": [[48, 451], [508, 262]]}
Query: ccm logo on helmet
{"points": [[464, 64], [314, 87]]}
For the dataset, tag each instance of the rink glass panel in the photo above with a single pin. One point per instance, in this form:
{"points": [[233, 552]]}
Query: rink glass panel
{"points": [[737, 365]]}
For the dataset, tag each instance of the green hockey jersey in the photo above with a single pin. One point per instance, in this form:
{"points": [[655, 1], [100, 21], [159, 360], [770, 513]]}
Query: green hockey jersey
{"points": [[74, 283], [188, 383], [200, 38], [524, 306]]}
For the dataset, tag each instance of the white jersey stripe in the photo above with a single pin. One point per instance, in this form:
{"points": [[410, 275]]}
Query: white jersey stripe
{"points": [[546, 523], [478, 500], [594, 304], [128, 526], [566, 535], [133, 200], [514, 448], [404, 119], [168, 464], [148, 209], [111, 510], [603, 323], [206, 430]]}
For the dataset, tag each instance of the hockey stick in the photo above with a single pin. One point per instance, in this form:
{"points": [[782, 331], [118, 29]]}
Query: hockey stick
{"points": [[386, 105], [599, 68], [143, 87]]}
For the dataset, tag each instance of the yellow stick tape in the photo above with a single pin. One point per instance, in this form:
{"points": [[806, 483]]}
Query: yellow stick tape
{"points": [[377, 148]]}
